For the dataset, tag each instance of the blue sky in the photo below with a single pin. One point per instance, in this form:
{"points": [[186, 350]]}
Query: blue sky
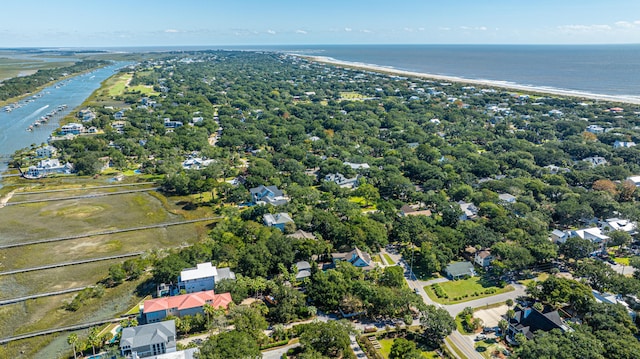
{"points": [[109, 23]]}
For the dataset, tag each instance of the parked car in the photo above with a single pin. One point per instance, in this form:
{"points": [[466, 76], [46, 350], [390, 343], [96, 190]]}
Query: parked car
{"points": [[480, 337]]}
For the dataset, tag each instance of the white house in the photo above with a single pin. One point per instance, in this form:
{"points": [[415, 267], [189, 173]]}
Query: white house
{"points": [[46, 151], [72, 128], [593, 234], [342, 181], [596, 129], [623, 144], [202, 277], [635, 180], [483, 258], [558, 236], [469, 210], [278, 220], [596, 161], [617, 224], [357, 166], [507, 198], [47, 167]]}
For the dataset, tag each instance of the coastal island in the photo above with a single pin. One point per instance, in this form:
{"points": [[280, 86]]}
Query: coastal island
{"points": [[290, 189]]}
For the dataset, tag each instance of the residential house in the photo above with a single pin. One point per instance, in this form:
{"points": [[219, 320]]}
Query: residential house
{"points": [[189, 353], [196, 163], [558, 236], [86, 115], [407, 210], [118, 126], [469, 210], [300, 234], [172, 124], [457, 270], [268, 195], [483, 258], [147, 340], [507, 198], [202, 277], [48, 167], [529, 320], [617, 224], [46, 151], [278, 220], [596, 161], [155, 310], [613, 299], [623, 144], [635, 180], [342, 181], [356, 257], [71, 128], [596, 129], [303, 269], [593, 234], [553, 169], [357, 166], [119, 115]]}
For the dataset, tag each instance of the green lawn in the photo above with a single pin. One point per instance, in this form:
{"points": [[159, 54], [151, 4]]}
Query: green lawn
{"points": [[622, 260], [541, 277], [464, 290], [388, 259]]}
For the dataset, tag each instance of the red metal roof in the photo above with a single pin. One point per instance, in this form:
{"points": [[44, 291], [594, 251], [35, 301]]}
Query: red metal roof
{"points": [[186, 301]]}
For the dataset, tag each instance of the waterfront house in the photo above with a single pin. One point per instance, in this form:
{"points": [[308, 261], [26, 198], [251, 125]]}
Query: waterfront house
{"points": [[147, 340], [202, 277], [156, 310], [278, 220], [46, 151], [71, 128], [48, 167]]}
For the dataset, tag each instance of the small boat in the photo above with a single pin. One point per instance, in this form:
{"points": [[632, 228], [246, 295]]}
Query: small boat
{"points": [[30, 128]]}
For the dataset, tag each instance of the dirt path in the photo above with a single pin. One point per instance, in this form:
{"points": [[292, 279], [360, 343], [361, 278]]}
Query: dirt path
{"points": [[4, 200]]}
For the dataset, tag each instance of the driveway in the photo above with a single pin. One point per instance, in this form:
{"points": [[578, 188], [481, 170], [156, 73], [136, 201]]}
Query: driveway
{"points": [[490, 317], [277, 353]]}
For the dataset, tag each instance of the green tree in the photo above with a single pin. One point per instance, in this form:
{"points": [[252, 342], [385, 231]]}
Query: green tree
{"points": [[618, 238], [437, 323], [249, 320], [232, 344], [393, 276], [404, 349], [72, 340], [330, 339]]}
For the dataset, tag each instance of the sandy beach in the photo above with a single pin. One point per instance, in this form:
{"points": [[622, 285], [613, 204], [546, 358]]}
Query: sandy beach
{"points": [[484, 83]]}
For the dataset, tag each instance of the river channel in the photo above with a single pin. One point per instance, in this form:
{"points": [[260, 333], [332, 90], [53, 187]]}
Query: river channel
{"points": [[14, 124]]}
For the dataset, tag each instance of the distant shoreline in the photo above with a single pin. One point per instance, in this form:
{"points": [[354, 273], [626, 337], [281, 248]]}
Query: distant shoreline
{"points": [[487, 83]]}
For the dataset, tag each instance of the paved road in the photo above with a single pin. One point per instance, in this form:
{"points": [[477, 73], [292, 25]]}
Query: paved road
{"points": [[465, 345], [277, 353]]}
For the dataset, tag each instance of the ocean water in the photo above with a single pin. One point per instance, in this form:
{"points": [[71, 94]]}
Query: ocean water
{"points": [[598, 69]]}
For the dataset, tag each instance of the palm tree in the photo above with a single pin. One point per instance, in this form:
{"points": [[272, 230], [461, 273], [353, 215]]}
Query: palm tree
{"points": [[209, 311], [72, 339], [94, 338]]}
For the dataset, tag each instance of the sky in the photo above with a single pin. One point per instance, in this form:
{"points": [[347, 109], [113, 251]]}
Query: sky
{"points": [[118, 23]]}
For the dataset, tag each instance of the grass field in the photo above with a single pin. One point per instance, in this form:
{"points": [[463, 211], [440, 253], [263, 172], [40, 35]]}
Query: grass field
{"points": [[351, 96], [389, 260], [12, 67], [487, 348], [464, 290]]}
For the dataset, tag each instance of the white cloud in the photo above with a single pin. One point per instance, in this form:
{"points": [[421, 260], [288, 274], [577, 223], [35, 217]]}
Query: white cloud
{"points": [[408, 29], [444, 28], [272, 32], [301, 32], [348, 29], [628, 24], [421, 29], [584, 28], [474, 28], [171, 31], [366, 31]]}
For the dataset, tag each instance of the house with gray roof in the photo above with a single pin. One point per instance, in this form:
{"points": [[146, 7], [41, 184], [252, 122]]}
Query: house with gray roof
{"points": [[458, 270], [148, 340], [342, 181], [278, 220], [356, 257], [268, 195], [529, 320], [303, 270]]}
